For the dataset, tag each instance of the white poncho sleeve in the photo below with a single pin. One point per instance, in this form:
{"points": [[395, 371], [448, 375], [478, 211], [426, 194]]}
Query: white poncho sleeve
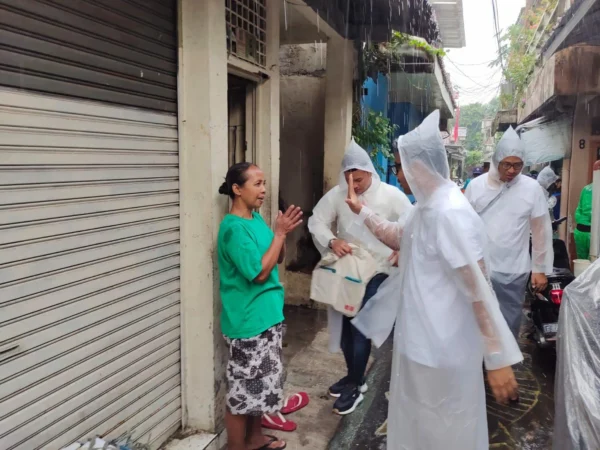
{"points": [[322, 220], [462, 248], [542, 251], [390, 233]]}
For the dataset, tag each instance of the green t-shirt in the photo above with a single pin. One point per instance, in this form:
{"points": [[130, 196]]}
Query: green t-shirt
{"points": [[583, 213], [249, 308]]}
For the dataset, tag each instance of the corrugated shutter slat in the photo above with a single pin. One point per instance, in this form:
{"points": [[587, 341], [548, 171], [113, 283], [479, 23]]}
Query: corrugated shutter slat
{"points": [[89, 270]]}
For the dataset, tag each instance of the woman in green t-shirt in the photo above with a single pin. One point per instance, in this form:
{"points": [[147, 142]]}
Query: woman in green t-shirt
{"points": [[252, 298]]}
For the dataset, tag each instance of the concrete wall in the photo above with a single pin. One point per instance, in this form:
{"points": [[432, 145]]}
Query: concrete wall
{"points": [[578, 165], [203, 142], [341, 73], [202, 103], [302, 142]]}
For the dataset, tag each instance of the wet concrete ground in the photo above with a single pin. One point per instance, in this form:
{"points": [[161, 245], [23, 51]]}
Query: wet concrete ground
{"points": [[524, 426], [529, 424], [311, 368]]}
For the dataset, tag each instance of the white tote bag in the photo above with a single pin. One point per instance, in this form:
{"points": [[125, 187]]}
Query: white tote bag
{"points": [[341, 282]]}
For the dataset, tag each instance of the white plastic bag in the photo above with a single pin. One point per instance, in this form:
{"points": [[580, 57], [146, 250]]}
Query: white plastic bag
{"points": [[341, 282]]}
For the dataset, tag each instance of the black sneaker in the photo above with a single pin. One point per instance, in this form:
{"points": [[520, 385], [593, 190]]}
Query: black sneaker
{"points": [[348, 401], [336, 390]]}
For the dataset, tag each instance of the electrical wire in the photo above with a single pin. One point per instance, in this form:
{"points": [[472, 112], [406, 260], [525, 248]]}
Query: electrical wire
{"points": [[485, 63], [497, 29], [467, 76]]}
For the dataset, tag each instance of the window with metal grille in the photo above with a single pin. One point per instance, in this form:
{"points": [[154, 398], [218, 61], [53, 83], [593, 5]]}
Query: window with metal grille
{"points": [[246, 29]]}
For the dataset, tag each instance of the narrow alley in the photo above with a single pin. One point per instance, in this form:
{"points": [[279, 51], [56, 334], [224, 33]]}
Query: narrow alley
{"points": [[524, 426], [198, 197]]}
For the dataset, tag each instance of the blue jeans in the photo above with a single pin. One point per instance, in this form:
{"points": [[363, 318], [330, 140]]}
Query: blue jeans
{"points": [[356, 347]]}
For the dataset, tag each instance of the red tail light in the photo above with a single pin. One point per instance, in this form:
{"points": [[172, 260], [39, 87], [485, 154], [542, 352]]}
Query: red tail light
{"points": [[556, 296]]}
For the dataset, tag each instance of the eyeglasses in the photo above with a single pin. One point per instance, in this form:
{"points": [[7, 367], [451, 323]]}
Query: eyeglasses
{"points": [[396, 168], [516, 166]]}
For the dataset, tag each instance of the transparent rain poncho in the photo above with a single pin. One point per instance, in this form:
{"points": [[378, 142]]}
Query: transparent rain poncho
{"points": [[547, 177], [577, 392], [357, 158], [447, 318], [332, 218], [332, 209], [513, 212]]}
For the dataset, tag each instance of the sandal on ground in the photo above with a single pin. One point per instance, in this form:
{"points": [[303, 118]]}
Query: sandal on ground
{"points": [[295, 403], [277, 422], [272, 439]]}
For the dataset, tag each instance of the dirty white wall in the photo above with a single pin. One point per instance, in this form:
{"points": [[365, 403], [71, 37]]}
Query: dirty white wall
{"points": [[203, 142], [578, 166], [302, 93]]}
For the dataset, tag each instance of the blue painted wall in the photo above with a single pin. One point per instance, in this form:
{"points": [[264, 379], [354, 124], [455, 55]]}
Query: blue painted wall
{"points": [[376, 99], [404, 115], [377, 94]]}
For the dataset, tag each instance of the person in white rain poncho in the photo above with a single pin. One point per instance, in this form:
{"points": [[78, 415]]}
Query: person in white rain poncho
{"points": [[547, 178], [447, 318], [513, 208], [332, 210]]}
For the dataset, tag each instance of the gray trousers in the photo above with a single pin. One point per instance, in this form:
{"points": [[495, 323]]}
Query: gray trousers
{"points": [[510, 290]]}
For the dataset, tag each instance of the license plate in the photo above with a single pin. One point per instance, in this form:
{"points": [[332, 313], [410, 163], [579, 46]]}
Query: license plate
{"points": [[550, 328]]}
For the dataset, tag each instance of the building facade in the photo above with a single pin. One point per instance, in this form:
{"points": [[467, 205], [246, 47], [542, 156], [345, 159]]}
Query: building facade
{"points": [[560, 108], [119, 121]]}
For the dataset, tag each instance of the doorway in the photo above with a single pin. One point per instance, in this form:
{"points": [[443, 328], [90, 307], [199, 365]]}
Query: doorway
{"points": [[241, 107]]}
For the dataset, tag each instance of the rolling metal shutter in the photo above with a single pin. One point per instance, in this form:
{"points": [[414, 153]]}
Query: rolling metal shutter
{"points": [[89, 272], [89, 222], [117, 51]]}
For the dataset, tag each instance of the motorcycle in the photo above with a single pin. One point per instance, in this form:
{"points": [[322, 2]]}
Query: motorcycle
{"points": [[545, 305]]}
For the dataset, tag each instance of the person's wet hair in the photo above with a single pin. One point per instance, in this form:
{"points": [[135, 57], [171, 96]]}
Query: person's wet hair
{"points": [[235, 175]]}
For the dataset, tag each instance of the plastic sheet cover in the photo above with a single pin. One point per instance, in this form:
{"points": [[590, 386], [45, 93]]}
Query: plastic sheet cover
{"points": [[545, 141], [447, 317], [577, 392]]}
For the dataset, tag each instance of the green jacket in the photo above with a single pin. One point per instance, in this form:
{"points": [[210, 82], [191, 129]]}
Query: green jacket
{"points": [[583, 213]]}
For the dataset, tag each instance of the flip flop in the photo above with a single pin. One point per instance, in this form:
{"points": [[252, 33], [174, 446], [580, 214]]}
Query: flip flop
{"points": [[295, 403], [271, 440], [277, 422]]}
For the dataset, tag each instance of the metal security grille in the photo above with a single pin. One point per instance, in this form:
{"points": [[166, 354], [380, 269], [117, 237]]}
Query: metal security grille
{"points": [[246, 29]]}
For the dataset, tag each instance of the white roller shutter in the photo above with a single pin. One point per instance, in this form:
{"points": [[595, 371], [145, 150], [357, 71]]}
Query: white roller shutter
{"points": [[89, 272]]}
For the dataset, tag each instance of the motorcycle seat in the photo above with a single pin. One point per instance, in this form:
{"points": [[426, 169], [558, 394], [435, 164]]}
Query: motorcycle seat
{"points": [[560, 272]]}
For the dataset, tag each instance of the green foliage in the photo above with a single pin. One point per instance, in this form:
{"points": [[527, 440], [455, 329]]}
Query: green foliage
{"points": [[506, 101], [380, 57], [517, 51], [474, 158], [471, 117], [400, 39], [373, 132]]}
